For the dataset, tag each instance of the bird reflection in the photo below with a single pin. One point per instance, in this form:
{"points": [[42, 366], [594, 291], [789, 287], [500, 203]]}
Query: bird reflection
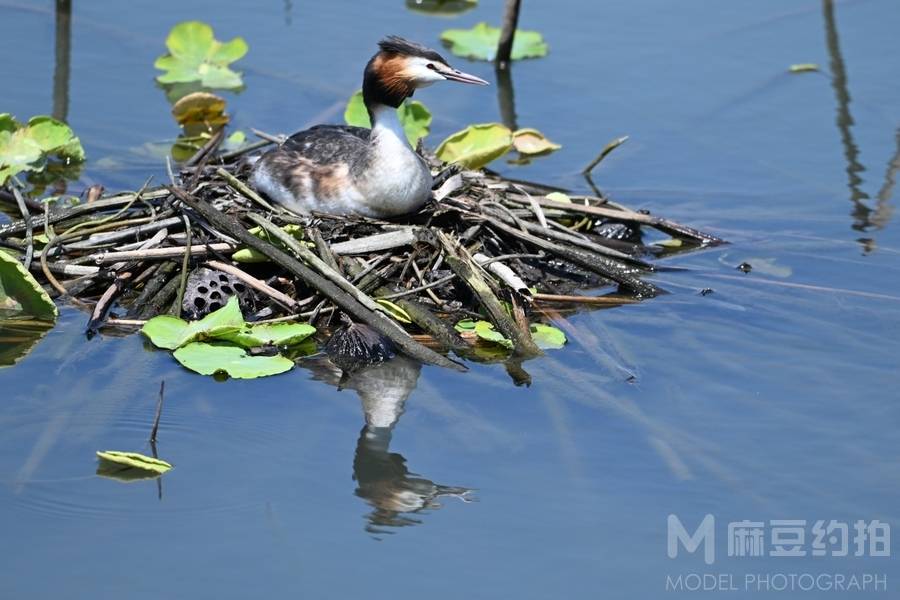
{"points": [[383, 480]]}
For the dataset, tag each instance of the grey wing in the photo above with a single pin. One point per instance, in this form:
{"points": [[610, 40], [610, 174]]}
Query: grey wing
{"points": [[326, 144]]}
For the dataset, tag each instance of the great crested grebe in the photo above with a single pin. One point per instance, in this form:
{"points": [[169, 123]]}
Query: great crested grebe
{"points": [[339, 169]]}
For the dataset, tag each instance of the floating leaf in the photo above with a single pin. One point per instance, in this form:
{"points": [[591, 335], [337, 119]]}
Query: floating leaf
{"points": [[804, 68], [195, 55], [265, 334], [465, 325], [394, 311], [547, 337], [28, 147], [249, 255], [414, 116], [132, 460], [476, 145], [480, 42], [532, 142], [441, 8], [208, 359], [21, 295], [200, 109], [170, 332], [486, 331]]}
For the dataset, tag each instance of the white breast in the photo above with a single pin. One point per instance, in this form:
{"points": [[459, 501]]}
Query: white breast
{"points": [[398, 180]]}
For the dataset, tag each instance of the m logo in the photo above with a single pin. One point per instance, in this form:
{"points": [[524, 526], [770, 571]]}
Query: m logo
{"points": [[705, 534]]}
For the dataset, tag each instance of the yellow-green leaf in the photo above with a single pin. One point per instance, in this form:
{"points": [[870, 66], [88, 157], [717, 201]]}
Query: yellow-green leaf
{"points": [[133, 460], [394, 311], [170, 332], [21, 295], [476, 145], [532, 142], [804, 68]]}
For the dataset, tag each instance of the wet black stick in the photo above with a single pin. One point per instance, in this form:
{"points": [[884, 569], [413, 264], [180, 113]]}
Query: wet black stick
{"points": [[156, 283], [598, 264], [345, 301], [159, 405], [158, 303], [508, 32]]}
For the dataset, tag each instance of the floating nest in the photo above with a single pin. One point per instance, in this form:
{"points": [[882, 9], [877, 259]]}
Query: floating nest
{"points": [[485, 247]]}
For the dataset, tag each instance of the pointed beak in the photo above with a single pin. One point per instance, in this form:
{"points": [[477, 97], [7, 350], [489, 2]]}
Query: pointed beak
{"points": [[455, 75]]}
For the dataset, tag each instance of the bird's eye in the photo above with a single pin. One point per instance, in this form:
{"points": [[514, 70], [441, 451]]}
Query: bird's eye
{"points": [[431, 66]]}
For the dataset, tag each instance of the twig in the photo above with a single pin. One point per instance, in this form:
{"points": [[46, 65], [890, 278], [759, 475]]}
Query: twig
{"points": [[81, 209], [377, 242], [376, 320], [185, 263], [275, 139], [609, 300], [160, 253], [242, 188], [159, 405], [606, 267], [503, 273], [261, 286], [508, 31], [319, 265], [465, 268], [29, 234], [606, 150], [626, 216], [121, 234], [322, 248]]}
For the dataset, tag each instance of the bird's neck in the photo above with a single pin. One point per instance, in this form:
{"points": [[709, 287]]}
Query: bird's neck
{"points": [[386, 127]]}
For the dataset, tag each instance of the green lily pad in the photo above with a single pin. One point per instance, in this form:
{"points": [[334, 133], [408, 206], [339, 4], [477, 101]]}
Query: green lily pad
{"points": [[132, 460], [21, 295], [170, 332], [249, 255], [195, 55], [28, 147], [414, 116], [208, 359], [476, 145], [480, 42], [485, 331], [532, 142], [265, 334], [547, 337]]}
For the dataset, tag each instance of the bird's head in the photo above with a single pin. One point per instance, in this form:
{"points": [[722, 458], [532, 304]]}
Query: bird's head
{"points": [[400, 67]]}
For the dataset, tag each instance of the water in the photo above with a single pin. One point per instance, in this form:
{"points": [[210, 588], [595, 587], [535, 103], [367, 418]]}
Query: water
{"points": [[775, 397]]}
